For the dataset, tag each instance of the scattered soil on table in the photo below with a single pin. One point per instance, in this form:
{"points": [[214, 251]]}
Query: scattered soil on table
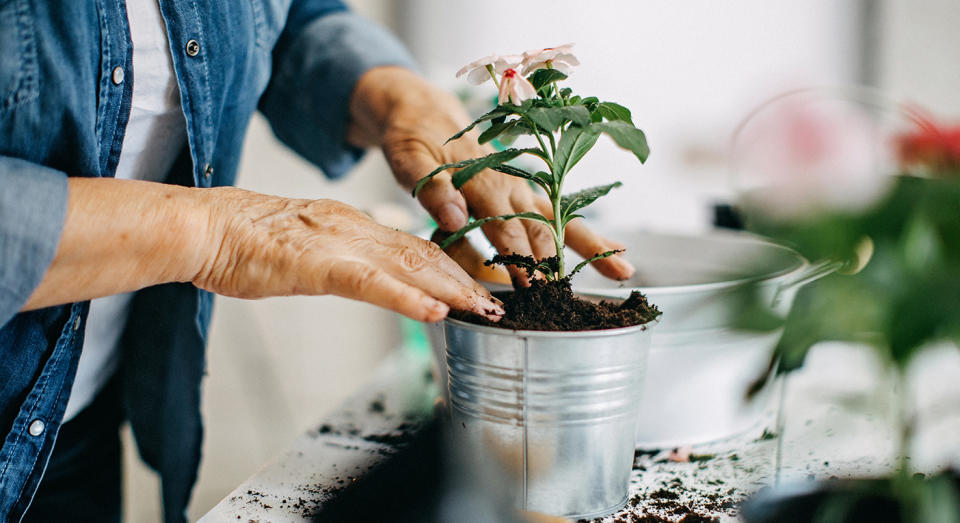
{"points": [[552, 306]]}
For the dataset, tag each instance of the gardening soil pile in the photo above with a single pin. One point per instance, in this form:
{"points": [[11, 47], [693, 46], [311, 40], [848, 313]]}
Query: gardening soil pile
{"points": [[552, 306]]}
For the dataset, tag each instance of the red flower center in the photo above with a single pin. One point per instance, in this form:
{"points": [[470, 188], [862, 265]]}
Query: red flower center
{"points": [[509, 73]]}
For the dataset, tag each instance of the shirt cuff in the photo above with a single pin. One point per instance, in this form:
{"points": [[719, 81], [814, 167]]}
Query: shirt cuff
{"points": [[307, 101], [33, 207]]}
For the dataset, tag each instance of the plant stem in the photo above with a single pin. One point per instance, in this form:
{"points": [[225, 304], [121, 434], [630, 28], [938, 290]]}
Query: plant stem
{"points": [[558, 234], [543, 146]]}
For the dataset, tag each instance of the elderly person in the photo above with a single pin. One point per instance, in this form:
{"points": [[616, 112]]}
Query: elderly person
{"points": [[120, 123]]}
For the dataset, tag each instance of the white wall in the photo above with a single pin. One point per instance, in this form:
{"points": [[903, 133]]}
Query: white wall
{"points": [[920, 54]]}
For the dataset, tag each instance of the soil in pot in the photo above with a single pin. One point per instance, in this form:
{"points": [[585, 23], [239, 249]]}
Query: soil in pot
{"points": [[552, 306]]}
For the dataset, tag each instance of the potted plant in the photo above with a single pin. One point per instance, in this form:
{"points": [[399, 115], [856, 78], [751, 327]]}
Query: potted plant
{"points": [[551, 389], [904, 299]]}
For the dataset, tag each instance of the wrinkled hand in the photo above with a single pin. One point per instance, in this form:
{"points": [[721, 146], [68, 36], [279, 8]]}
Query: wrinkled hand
{"points": [[418, 120], [271, 246]]}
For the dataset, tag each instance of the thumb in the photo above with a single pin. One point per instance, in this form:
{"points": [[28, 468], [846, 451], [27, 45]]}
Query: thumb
{"points": [[444, 202], [439, 197]]}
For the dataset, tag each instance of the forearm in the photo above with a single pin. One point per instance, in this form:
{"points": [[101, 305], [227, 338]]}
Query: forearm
{"points": [[123, 235]]}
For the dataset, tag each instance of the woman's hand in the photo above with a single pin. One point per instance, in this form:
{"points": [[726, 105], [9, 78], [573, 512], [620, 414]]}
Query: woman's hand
{"points": [[272, 246], [124, 235], [411, 119]]}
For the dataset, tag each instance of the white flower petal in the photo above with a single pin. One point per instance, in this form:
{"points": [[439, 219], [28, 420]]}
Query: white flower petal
{"points": [[533, 66], [510, 61], [504, 90], [569, 58], [563, 67], [524, 89], [478, 76]]}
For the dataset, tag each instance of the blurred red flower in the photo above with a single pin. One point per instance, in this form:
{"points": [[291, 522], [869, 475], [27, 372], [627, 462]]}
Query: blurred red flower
{"points": [[932, 147]]}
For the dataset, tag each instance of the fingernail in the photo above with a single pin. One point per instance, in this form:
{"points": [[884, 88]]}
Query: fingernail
{"points": [[450, 217], [495, 300], [435, 306], [492, 309], [623, 266]]}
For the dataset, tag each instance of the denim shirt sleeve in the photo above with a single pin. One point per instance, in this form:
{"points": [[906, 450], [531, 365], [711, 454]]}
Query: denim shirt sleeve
{"points": [[33, 206], [313, 77]]}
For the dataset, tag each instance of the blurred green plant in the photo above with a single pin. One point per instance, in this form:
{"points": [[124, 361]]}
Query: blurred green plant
{"points": [[906, 298]]}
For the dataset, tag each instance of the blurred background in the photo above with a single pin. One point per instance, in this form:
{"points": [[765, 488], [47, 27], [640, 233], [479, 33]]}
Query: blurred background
{"points": [[689, 71]]}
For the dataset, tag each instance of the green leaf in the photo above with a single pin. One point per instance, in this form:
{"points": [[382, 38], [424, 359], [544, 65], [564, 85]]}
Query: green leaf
{"points": [[573, 202], [499, 111], [614, 112], [471, 166], [520, 173], [551, 118], [461, 177], [574, 144], [542, 77], [591, 103], [546, 177], [626, 136], [495, 130], [593, 258], [483, 221]]}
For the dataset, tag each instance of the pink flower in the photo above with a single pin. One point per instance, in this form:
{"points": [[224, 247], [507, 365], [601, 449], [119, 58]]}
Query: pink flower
{"points": [[515, 88], [804, 155], [559, 58], [479, 71]]}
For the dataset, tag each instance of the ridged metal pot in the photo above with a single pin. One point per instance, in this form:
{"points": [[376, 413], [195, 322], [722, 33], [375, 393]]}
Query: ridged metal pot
{"points": [[557, 410]]}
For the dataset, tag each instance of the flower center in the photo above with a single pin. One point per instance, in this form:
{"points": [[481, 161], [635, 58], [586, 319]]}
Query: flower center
{"points": [[509, 73]]}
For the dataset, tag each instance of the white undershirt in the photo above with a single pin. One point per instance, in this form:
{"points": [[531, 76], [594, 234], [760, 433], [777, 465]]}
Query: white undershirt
{"points": [[156, 131]]}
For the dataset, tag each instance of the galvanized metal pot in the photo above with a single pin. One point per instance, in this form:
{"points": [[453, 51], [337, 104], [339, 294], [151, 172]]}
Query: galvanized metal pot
{"points": [[557, 410]]}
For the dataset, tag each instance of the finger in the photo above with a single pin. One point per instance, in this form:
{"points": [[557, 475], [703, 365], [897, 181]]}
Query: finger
{"points": [[459, 291], [586, 243], [538, 234], [424, 264], [466, 255], [444, 203], [439, 197], [358, 281], [509, 237]]}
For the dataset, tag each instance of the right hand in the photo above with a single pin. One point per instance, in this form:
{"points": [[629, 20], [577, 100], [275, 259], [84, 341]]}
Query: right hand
{"points": [[272, 246]]}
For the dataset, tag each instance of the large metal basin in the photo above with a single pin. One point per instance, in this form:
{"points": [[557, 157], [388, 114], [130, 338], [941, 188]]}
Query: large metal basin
{"points": [[700, 366]]}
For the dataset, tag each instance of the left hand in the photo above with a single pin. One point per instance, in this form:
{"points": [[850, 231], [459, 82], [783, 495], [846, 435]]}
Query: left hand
{"points": [[411, 119]]}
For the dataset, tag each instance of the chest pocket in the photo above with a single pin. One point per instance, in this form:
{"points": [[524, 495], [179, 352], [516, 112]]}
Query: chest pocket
{"points": [[19, 80], [268, 19]]}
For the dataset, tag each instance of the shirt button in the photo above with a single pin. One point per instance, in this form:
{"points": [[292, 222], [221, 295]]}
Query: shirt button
{"points": [[193, 48], [76, 324], [207, 170], [36, 427], [117, 75]]}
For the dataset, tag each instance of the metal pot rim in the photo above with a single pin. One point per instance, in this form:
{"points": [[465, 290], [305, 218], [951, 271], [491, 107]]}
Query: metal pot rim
{"points": [[799, 265]]}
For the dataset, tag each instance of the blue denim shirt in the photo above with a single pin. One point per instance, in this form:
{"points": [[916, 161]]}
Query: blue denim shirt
{"points": [[62, 115]]}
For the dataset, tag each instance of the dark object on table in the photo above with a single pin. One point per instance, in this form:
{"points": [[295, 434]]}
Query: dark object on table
{"points": [[425, 482], [726, 216], [926, 499]]}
